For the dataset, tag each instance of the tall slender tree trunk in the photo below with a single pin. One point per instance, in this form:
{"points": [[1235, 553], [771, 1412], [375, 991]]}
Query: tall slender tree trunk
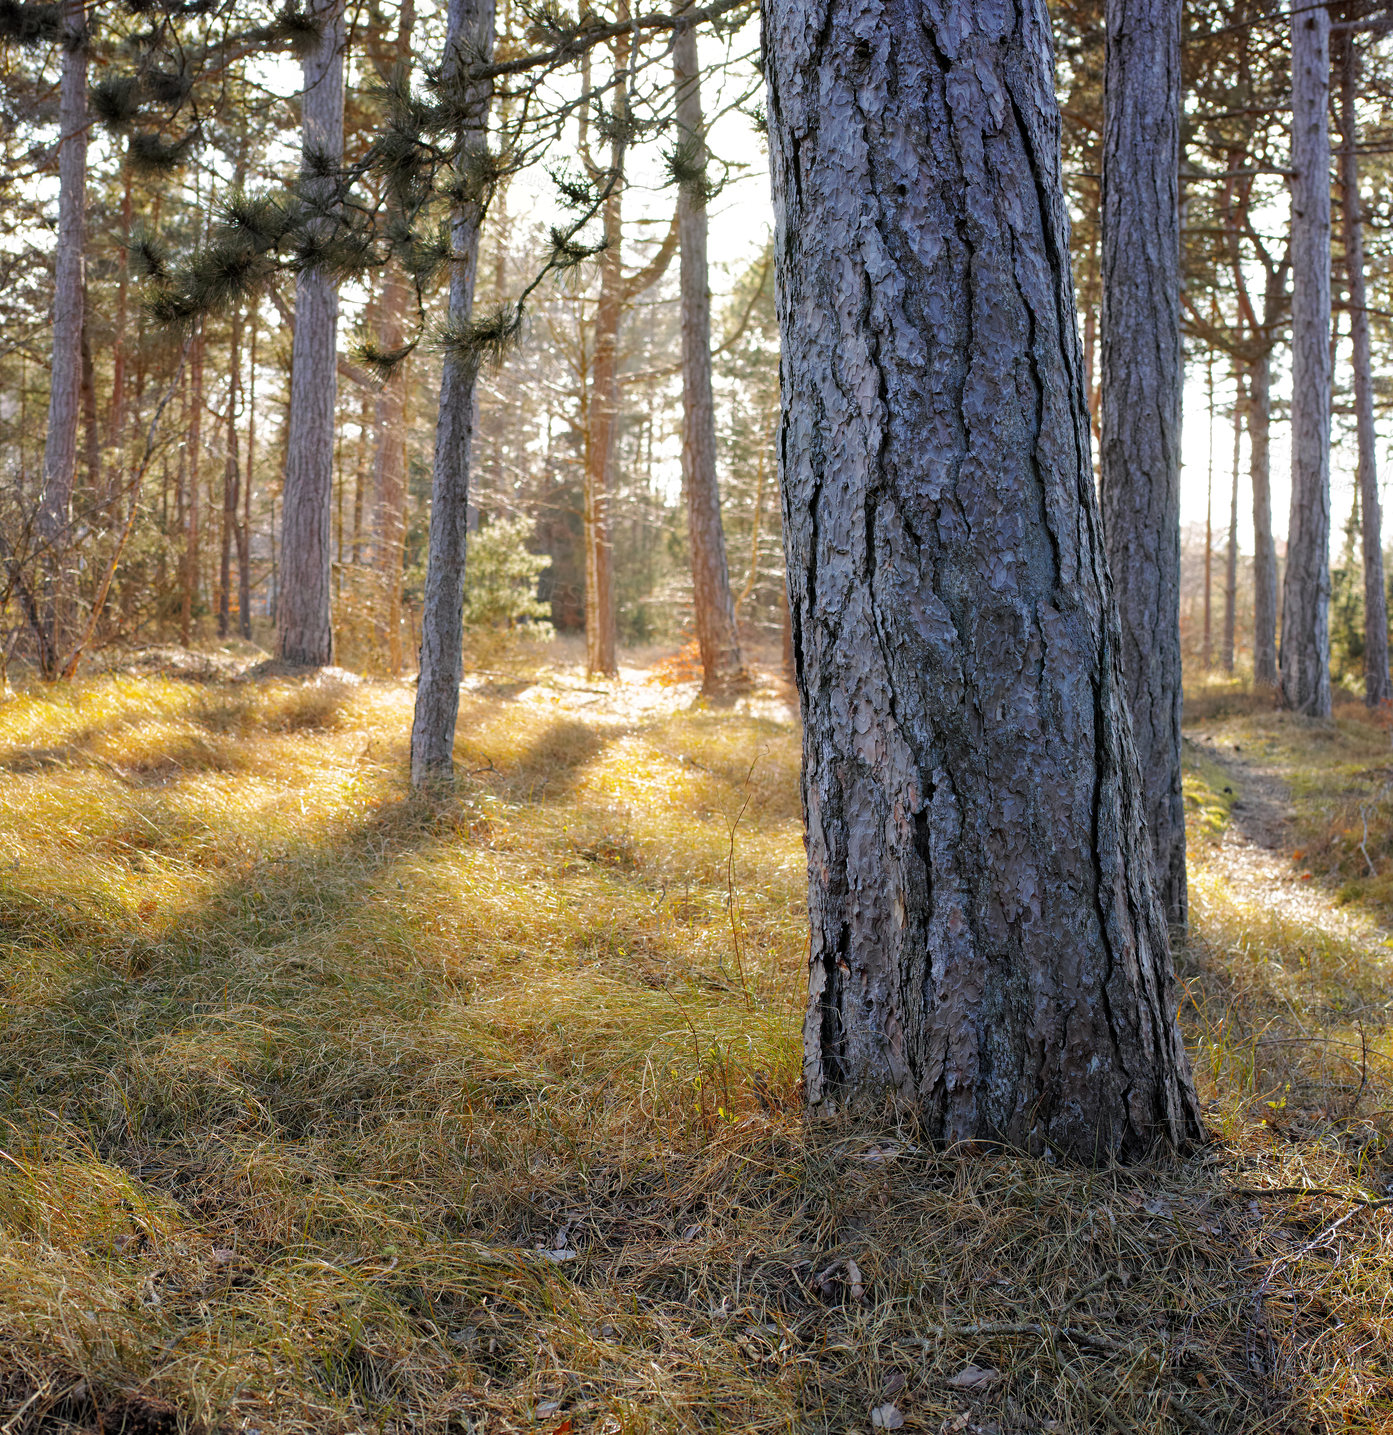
{"points": [[305, 632], [1141, 388], [1264, 547], [718, 638], [601, 622], [1231, 557], [986, 939], [1377, 687], [116, 420], [244, 529], [65, 371], [1305, 650], [194, 444], [468, 38], [232, 479], [1207, 648], [389, 464], [91, 431], [389, 481]]}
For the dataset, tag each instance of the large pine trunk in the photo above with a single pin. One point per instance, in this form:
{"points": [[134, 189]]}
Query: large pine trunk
{"points": [[717, 635], [65, 373], [1305, 650], [1377, 687], [1259, 409], [468, 39], [304, 626], [1141, 388], [987, 944]]}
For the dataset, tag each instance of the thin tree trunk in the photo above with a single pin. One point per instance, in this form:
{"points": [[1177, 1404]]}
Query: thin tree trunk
{"points": [[1141, 388], [1231, 558], [1264, 547], [601, 622], [244, 529], [1305, 650], [1377, 687], [1207, 650], [389, 490], [91, 432], [718, 638], [231, 486], [304, 623], [986, 940], [65, 384], [116, 423], [194, 442], [468, 38], [389, 464]]}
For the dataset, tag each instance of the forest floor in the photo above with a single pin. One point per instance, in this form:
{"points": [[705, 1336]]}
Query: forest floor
{"points": [[327, 1108]]}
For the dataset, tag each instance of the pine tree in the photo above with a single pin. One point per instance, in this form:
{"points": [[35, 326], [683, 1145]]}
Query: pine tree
{"points": [[986, 940]]}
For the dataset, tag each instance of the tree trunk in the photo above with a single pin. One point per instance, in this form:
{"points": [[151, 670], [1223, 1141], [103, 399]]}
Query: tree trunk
{"points": [[389, 464], [986, 940], [1264, 548], [65, 385], [1141, 386], [1231, 558], [468, 38], [244, 529], [1377, 687], [305, 633], [718, 638], [231, 484], [194, 441], [91, 433], [1305, 650], [601, 623]]}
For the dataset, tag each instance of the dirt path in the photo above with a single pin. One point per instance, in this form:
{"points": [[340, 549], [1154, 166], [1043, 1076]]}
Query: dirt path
{"points": [[1255, 857]]}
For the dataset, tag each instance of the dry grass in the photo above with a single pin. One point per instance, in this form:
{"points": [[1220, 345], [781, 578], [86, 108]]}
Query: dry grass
{"points": [[330, 1110]]}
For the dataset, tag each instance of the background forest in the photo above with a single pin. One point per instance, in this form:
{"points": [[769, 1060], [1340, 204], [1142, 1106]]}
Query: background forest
{"points": [[201, 555]]}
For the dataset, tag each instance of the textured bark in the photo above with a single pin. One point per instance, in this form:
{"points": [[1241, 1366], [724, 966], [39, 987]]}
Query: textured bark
{"points": [[1141, 387], [601, 623], [304, 625], [986, 940], [1264, 547], [65, 371], [1377, 687], [469, 36], [1305, 651], [718, 638]]}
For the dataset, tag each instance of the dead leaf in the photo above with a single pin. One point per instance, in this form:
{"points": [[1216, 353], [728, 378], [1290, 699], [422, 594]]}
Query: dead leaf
{"points": [[886, 1417], [974, 1377]]}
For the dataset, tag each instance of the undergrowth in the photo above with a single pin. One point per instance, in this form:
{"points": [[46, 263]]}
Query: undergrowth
{"points": [[330, 1109]]}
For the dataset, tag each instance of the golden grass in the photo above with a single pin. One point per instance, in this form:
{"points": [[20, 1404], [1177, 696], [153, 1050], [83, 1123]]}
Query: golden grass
{"points": [[329, 1109]]}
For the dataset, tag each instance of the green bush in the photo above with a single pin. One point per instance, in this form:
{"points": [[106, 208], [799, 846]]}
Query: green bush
{"points": [[502, 615]]}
